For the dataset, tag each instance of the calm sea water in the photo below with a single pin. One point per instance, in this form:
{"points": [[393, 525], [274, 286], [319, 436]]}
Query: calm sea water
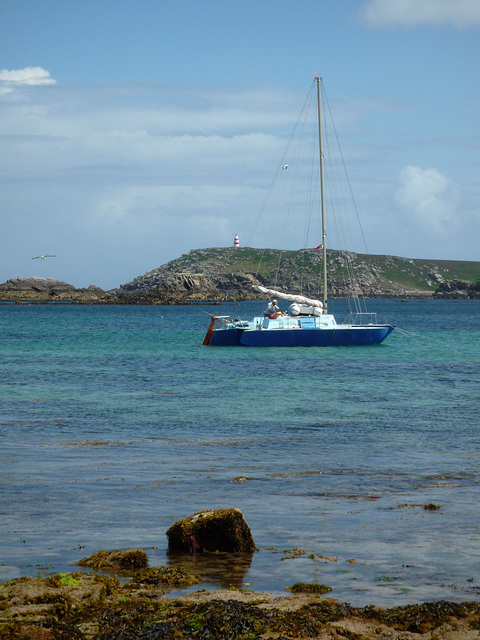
{"points": [[115, 422]]}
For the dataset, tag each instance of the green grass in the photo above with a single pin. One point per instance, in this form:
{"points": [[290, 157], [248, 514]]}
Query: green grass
{"points": [[388, 272]]}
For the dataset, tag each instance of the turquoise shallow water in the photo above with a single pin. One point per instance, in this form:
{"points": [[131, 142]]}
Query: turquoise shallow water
{"points": [[115, 422]]}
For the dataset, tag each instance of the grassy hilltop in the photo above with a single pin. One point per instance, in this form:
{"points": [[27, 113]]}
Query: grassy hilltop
{"points": [[373, 275]]}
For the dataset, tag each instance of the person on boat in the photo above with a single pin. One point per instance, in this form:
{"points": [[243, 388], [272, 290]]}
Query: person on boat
{"points": [[272, 310]]}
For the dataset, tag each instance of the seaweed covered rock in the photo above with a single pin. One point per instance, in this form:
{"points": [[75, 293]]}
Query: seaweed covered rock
{"points": [[221, 530], [165, 577], [302, 587], [123, 560]]}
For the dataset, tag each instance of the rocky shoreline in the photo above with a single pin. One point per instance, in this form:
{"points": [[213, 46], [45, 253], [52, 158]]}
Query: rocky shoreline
{"points": [[100, 606], [214, 275], [190, 288]]}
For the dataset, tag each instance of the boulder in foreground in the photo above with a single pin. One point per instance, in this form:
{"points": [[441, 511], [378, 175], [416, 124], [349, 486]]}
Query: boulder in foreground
{"points": [[221, 530]]}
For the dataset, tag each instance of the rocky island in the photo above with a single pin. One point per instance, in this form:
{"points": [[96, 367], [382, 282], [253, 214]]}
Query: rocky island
{"points": [[210, 275], [34, 290]]}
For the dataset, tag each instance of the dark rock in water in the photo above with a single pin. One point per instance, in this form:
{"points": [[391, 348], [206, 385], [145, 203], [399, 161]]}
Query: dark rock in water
{"points": [[124, 560], [220, 530]]}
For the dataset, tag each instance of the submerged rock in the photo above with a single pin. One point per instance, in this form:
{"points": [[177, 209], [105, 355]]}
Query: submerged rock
{"points": [[221, 530], [302, 587], [123, 560]]}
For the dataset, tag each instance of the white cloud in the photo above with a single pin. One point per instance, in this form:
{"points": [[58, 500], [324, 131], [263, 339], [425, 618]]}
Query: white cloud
{"points": [[414, 13], [141, 174], [427, 198], [149, 201], [28, 75]]}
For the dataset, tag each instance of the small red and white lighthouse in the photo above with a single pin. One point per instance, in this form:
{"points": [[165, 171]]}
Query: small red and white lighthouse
{"points": [[236, 242]]}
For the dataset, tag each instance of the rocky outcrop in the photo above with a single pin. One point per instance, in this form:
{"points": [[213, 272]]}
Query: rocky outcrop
{"points": [[221, 530], [180, 287], [37, 285], [458, 289], [167, 287], [50, 290]]}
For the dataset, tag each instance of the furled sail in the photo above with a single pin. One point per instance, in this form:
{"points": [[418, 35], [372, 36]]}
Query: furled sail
{"points": [[288, 296]]}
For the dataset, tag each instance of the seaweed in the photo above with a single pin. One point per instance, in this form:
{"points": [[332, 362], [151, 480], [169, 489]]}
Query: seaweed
{"points": [[166, 576], [421, 618], [100, 608], [301, 587], [123, 560]]}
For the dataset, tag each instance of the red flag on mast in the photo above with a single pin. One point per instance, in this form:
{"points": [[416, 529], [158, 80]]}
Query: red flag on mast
{"points": [[320, 246]]}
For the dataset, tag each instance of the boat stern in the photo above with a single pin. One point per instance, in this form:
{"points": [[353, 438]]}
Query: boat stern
{"points": [[226, 333], [208, 335]]}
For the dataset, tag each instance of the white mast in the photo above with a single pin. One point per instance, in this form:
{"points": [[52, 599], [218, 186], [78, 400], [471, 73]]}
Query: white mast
{"points": [[324, 235]]}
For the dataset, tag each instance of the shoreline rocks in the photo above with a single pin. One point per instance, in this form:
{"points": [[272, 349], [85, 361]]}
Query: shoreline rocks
{"points": [[458, 290], [48, 290], [98, 607]]}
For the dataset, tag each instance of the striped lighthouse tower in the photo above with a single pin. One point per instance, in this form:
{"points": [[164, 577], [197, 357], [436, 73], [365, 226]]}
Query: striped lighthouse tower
{"points": [[236, 242]]}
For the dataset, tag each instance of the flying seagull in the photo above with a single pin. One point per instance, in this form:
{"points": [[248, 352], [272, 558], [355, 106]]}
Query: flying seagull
{"points": [[285, 166], [43, 257]]}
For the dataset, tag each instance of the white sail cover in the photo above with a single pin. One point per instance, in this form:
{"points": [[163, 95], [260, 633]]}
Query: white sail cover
{"points": [[288, 296]]}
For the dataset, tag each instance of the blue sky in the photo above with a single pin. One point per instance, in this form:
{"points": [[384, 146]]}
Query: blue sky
{"points": [[135, 131]]}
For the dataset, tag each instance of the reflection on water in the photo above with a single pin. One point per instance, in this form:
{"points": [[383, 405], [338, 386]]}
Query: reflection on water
{"points": [[225, 569]]}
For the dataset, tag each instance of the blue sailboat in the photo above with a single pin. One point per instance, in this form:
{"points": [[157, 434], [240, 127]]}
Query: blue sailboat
{"points": [[307, 322]]}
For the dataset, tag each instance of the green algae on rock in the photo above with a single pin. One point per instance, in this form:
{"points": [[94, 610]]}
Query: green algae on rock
{"points": [[166, 576], [220, 530], [121, 560], [301, 587]]}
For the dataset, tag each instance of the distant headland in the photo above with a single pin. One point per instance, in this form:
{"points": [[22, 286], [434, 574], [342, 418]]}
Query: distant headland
{"points": [[216, 274]]}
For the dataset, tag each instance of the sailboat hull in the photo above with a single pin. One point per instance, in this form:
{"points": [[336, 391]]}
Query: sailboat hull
{"points": [[347, 336], [225, 338]]}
